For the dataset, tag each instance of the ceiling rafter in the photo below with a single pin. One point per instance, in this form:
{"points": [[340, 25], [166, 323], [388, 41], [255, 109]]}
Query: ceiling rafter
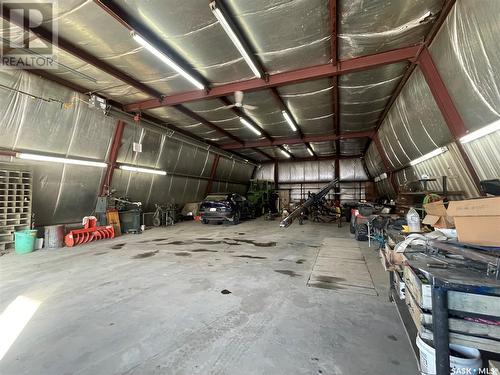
{"points": [[92, 60], [293, 141], [285, 78], [445, 11], [321, 158], [70, 48]]}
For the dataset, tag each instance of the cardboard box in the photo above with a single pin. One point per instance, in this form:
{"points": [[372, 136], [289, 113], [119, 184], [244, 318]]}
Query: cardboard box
{"points": [[437, 215], [477, 220]]}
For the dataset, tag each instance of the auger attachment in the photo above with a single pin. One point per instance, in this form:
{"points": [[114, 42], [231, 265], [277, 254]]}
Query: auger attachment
{"points": [[89, 232]]}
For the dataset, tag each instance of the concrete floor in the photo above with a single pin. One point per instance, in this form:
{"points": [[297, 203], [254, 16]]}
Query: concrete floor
{"points": [[152, 304]]}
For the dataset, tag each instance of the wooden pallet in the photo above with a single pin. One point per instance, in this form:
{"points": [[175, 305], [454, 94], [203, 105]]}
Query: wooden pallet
{"points": [[15, 205]]}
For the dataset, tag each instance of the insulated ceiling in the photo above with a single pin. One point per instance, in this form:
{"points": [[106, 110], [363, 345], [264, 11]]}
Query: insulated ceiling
{"points": [[285, 35]]}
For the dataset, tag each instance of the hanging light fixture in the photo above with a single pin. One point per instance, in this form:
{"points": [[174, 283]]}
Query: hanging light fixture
{"points": [[142, 170], [250, 126], [53, 159], [488, 129], [428, 156], [288, 119], [285, 153], [231, 30], [167, 60]]}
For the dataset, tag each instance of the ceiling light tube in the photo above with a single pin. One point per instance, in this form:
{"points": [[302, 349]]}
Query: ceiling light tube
{"points": [[310, 151], [167, 60], [428, 156], [488, 129], [142, 170], [285, 153], [288, 119], [250, 126], [216, 10], [53, 159]]}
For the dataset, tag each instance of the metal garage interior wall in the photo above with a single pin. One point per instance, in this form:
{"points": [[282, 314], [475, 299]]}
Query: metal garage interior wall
{"points": [[301, 177], [61, 192], [41, 123], [466, 55], [414, 126]]}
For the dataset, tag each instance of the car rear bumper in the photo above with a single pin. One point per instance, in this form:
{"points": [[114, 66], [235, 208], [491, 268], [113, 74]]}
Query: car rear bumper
{"points": [[219, 216]]}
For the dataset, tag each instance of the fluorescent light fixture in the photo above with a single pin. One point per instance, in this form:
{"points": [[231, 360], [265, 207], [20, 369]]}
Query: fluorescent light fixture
{"points": [[167, 60], [285, 153], [428, 156], [250, 126], [310, 151], [488, 129], [142, 170], [234, 38], [383, 176], [52, 159], [289, 120]]}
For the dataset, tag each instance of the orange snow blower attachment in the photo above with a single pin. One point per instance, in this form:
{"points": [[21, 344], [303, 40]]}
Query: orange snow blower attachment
{"points": [[89, 232]]}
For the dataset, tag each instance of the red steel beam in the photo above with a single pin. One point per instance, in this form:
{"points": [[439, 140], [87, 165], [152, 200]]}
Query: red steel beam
{"points": [[276, 175], [78, 52], [113, 155], [293, 141], [441, 95], [448, 5], [204, 121], [213, 173], [448, 109], [285, 78], [334, 157], [265, 154], [335, 80]]}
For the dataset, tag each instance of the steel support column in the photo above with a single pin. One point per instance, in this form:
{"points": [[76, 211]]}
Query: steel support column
{"points": [[113, 155], [213, 173], [276, 175], [448, 109], [441, 335]]}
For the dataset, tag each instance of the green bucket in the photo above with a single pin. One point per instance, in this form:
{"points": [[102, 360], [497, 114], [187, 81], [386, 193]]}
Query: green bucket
{"points": [[25, 241]]}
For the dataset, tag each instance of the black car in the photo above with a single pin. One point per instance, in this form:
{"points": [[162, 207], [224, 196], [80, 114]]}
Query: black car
{"points": [[225, 207]]}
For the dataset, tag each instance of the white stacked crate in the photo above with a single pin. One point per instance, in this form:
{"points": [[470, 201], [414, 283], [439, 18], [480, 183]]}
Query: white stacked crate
{"points": [[15, 205]]}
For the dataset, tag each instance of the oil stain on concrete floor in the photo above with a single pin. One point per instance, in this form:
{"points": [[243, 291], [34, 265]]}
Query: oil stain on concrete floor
{"points": [[199, 299]]}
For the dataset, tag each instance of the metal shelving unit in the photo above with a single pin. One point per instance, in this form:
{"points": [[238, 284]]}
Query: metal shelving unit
{"points": [[15, 205]]}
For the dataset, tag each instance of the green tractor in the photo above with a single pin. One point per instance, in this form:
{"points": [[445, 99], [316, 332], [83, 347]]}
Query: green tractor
{"points": [[263, 197]]}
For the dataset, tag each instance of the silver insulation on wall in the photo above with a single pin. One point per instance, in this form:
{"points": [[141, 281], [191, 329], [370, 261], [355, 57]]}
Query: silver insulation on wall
{"points": [[467, 56], [61, 192], [450, 164], [414, 125], [484, 154], [54, 120]]}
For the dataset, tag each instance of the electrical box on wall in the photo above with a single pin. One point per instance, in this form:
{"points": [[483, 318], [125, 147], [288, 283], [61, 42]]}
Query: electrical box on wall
{"points": [[137, 147]]}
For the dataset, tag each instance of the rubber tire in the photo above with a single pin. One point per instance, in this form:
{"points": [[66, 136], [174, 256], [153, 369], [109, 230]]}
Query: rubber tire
{"points": [[156, 222], [236, 218], [361, 232]]}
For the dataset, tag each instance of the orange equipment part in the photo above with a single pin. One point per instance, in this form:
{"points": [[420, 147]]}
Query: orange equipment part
{"points": [[89, 233]]}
